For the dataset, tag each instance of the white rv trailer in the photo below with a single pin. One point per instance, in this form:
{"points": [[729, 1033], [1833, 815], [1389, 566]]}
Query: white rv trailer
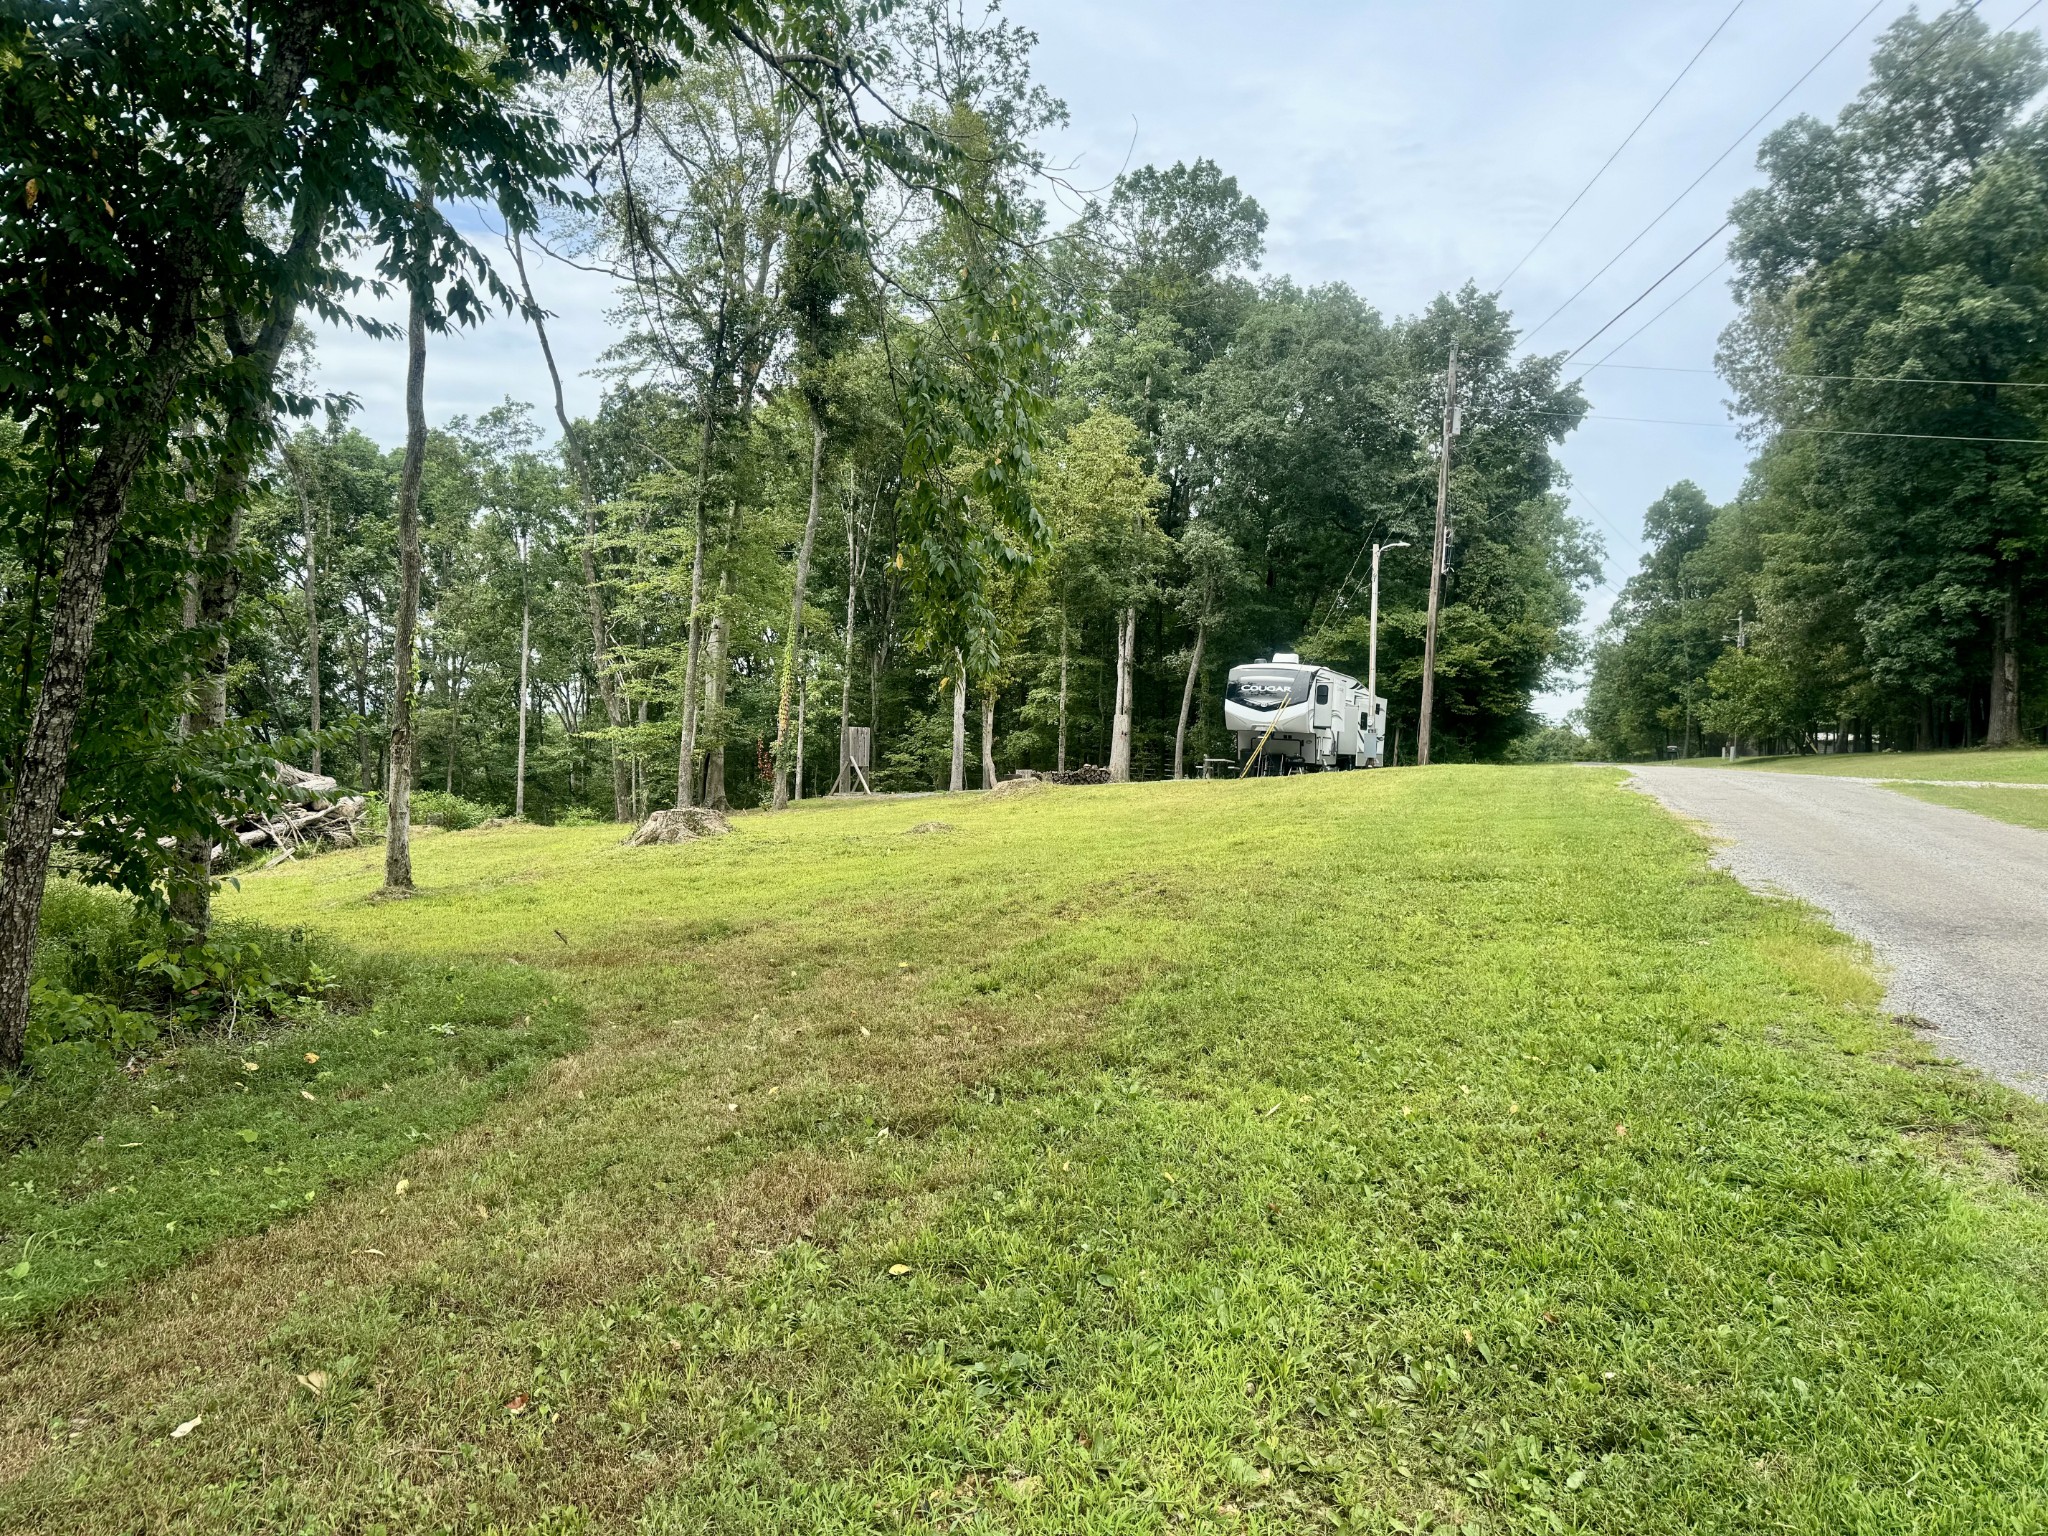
{"points": [[1308, 718]]}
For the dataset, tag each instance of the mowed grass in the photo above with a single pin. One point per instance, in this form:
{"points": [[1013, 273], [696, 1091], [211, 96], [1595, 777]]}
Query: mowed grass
{"points": [[115, 1169], [2006, 765], [1445, 1149], [2021, 807]]}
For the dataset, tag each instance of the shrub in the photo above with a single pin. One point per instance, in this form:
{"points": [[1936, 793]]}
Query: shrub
{"points": [[110, 974], [432, 808]]}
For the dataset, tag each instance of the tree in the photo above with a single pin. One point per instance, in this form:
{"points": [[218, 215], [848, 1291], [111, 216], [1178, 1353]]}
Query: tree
{"points": [[1215, 574], [1106, 502], [1905, 240], [816, 288], [185, 132]]}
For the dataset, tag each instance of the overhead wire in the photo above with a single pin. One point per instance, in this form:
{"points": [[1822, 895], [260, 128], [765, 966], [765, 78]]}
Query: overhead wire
{"points": [[1697, 284], [1932, 437], [1613, 527], [1712, 166], [1836, 378], [1954, 21], [1624, 144]]}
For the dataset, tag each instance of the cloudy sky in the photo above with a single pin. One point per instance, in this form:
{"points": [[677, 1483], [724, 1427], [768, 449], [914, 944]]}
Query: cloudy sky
{"points": [[1401, 148]]}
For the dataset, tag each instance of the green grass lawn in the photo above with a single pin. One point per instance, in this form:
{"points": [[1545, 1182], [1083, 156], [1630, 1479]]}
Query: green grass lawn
{"points": [[1436, 1150], [2010, 765], [2021, 807], [117, 1170]]}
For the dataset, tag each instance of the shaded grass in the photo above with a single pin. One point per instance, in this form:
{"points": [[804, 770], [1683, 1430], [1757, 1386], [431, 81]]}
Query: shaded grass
{"points": [[2021, 807], [2011, 765], [111, 1170], [1370, 1153]]}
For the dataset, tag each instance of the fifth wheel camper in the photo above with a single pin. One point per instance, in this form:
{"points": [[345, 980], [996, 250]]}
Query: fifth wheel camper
{"points": [[1292, 717]]}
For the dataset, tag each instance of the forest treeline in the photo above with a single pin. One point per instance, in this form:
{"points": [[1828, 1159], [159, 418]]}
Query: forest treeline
{"points": [[1218, 450], [881, 443], [1879, 582]]}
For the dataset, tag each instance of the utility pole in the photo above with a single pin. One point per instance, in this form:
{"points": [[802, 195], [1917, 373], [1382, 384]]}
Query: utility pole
{"points": [[1438, 558], [1372, 633]]}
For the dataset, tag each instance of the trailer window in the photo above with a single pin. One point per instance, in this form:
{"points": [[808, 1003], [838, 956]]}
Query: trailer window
{"points": [[1268, 687], [1322, 693]]}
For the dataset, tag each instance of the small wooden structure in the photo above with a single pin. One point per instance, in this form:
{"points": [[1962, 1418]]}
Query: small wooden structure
{"points": [[860, 753]]}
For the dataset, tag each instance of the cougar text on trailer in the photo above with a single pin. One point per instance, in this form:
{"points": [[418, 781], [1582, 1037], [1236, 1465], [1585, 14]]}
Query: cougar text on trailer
{"points": [[1297, 718]]}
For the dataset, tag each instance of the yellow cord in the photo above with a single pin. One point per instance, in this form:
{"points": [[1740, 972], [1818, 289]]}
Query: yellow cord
{"points": [[1286, 699]]}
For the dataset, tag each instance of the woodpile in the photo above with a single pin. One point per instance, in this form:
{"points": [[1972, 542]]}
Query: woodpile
{"points": [[1087, 773], [321, 817]]}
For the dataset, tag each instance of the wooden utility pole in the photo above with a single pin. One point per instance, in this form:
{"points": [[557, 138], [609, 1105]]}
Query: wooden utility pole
{"points": [[1438, 558]]}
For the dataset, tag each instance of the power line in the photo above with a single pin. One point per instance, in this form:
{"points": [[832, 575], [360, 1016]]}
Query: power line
{"points": [[1612, 525], [1842, 378], [1932, 437], [1632, 303], [1933, 42], [1737, 144], [1697, 284], [1624, 144]]}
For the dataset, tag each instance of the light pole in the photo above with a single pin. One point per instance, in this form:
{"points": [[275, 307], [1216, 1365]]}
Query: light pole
{"points": [[1372, 633]]}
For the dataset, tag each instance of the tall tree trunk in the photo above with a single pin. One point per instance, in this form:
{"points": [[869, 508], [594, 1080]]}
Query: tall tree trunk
{"points": [[39, 783], [616, 706], [957, 779], [686, 752], [714, 697], [640, 770], [1187, 699], [1060, 757], [525, 644], [209, 607], [366, 745], [840, 783], [793, 645], [803, 694], [454, 727], [398, 789], [1120, 728], [988, 740], [220, 574], [310, 580], [2003, 728], [96, 516]]}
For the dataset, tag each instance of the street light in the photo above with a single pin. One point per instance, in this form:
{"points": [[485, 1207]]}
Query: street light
{"points": [[1372, 634]]}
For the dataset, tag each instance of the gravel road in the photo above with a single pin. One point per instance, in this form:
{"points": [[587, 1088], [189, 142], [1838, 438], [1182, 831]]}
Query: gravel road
{"points": [[1955, 905]]}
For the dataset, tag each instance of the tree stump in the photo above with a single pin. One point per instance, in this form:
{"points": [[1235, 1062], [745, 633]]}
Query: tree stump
{"points": [[684, 826]]}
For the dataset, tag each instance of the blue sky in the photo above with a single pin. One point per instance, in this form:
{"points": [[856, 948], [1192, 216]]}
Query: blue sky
{"points": [[1401, 148]]}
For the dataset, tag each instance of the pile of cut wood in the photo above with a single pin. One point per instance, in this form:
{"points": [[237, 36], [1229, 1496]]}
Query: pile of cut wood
{"points": [[320, 816], [1087, 773]]}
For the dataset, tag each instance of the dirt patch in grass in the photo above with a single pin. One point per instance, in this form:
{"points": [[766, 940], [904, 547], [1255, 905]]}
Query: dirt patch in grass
{"points": [[1965, 1153]]}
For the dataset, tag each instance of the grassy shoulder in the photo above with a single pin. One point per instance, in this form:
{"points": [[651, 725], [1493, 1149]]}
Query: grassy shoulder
{"points": [[2009, 765], [117, 1167], [2021, 807], [1384, 1152]]}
